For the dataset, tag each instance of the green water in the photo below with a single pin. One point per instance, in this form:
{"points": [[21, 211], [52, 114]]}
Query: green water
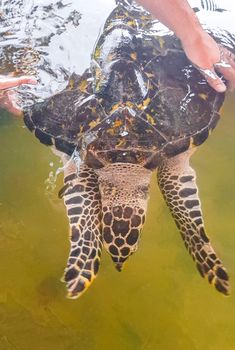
{"points": [[159, 301]]}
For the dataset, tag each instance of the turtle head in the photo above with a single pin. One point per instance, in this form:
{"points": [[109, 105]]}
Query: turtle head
{"points": [[124, 191]]}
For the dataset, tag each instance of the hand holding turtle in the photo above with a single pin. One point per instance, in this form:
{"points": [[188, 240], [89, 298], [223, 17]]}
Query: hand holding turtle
{"points": [[199, 46], [8, 98], [209, 57]]}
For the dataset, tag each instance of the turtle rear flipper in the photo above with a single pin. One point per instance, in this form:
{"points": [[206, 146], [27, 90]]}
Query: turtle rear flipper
{"points": [[177, 181], [82, 200]]}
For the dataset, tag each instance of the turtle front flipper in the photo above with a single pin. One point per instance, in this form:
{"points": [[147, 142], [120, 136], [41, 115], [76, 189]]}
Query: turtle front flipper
{"points": [[82, 199], [177, 181]]}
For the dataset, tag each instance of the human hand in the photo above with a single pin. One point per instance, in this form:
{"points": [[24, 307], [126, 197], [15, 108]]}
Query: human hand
{"points": [[9, 98], [209, 57], [9, 101]]}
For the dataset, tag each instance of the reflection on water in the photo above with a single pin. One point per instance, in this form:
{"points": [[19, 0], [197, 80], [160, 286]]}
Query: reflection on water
{"points": [[158, 301], [51, 38]]}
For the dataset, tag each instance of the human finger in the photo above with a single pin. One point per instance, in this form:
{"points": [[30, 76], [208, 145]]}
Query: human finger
{"points": [[26, 79], [213, 79], [9, 82], [226, 66]]}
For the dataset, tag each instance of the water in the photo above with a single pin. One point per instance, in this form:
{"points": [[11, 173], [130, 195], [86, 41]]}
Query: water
{"points": [[159, 301]]}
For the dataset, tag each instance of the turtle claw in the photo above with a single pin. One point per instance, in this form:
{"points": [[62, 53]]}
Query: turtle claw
{"points": [[222, 286], [75, 289], [217, 277], [77, 286]]}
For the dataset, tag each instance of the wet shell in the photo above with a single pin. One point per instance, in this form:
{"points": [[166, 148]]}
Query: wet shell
{"points": [[140, 101]]}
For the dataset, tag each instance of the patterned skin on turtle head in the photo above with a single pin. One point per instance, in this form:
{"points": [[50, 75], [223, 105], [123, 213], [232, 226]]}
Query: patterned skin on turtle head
{"points": [[124, 205]]}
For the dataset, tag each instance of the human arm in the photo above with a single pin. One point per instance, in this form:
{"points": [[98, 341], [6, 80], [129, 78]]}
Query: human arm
{"points": [[199, 46]]}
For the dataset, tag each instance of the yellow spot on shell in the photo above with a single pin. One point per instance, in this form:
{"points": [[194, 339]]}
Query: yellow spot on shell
{"points": [[133, 55], [143, 17], [129, 104], [146, 102], [110, 132], [117, 123], [83, 85], [150, 119], [116, 106], [71, 84], [98, 79], [80, 130], [131, 23], [203, 96], [93, 123], [161, 42], [121, 143], [113, 130], [97, 52]]}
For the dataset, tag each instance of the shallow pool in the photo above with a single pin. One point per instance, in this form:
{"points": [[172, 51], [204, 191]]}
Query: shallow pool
{"points": [[159, 301]]}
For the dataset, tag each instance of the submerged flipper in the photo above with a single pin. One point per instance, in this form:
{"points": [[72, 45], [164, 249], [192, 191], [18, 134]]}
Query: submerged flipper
{"points": [[177, 181], [82, 199]]}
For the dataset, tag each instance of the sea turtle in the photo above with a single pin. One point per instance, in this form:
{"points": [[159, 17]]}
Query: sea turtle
{"points": [[140, 106]]}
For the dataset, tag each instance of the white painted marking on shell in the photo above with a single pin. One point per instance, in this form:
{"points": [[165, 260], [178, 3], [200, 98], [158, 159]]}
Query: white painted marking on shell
{"points": [[142, 85], [82, 102], [124, 133]]}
